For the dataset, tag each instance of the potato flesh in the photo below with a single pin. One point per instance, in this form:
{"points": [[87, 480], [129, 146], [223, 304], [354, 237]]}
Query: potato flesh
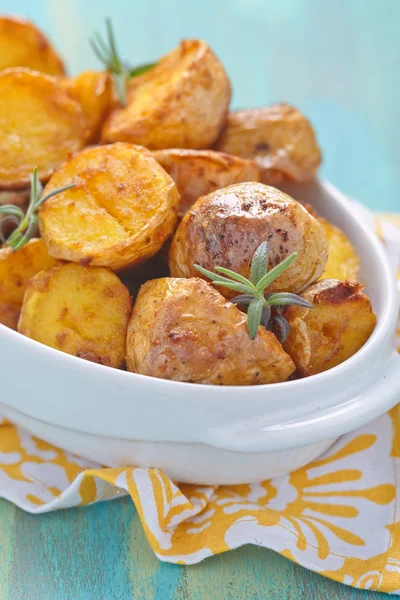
{"points": [[343, 262], [340, 323], [24, 45], [16, 268], [278, 138], [183, 329], [200, 172], [93, 91], [225, 228], [39, 126], [180, 103], [123, 208], [83, 311]]}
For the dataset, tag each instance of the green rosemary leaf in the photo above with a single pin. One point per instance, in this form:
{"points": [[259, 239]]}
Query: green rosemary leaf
{"points": [[235, 276], [259, 263], [233, 285], [243, 299], [140, 69], [254, 316], [286, 299], [284, 328], [54, 193], [12, 211], [275, 272]]}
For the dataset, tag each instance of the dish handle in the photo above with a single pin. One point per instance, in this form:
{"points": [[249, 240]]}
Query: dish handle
{"points": [[251, 436]]}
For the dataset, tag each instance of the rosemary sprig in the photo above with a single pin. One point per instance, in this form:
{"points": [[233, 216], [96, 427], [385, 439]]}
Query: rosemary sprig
{"points": [[106, 52], [253, 298], [27, 224]]}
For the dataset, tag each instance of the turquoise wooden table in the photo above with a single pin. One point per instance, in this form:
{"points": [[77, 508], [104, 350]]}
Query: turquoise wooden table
{"points": [[339, 62]]}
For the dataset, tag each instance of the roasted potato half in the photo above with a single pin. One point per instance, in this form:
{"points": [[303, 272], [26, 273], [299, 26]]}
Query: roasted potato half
{"points": [[40, 125], [279, 138], [200, 172], [22, 44], [226, 227], [339, 324], [121, 211], [93, 91], [183, 329], [180, 103], [83, 311], [16, 268], [343, 261]]}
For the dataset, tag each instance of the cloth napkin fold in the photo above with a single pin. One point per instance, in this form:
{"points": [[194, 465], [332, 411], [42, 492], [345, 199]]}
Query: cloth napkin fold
{"points": [[339, 516]]}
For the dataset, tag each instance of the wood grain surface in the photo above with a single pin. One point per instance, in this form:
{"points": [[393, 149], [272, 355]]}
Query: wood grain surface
{"points": [[100, 552]]}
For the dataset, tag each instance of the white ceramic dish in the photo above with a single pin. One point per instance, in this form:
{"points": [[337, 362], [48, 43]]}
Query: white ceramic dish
{"points": [[209, 434]]}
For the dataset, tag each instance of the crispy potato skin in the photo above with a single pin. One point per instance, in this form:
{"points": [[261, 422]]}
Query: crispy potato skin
{"points": [[40, 125], [83, 311], [183, 329], [343, 261], [22, 44], [16, 268], [200, 172], [93, 91], [225, 228], [336, 328], [180, 103], [120, 213], [278, 138]]}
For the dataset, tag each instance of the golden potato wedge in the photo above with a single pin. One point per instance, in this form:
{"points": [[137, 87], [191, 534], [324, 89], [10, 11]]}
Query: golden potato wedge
{"points": [[16, 268], [120, 213], [200, 172], [83, 311], [279, 138], [226, 227], [22, 44], [40, 125], [17, 197], [343, 261], [93, 91], [180, 103], [336, 328], [183, 329]]}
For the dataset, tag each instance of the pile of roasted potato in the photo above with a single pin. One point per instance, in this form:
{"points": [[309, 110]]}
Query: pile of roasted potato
{"points": [[164, 178]]}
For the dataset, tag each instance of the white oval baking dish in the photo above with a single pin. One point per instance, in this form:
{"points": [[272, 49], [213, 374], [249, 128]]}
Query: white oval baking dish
{"points": [[209, 434]]}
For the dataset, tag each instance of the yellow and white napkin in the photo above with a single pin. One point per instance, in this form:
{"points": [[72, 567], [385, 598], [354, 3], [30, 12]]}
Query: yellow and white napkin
{"points": [[339, 516]]}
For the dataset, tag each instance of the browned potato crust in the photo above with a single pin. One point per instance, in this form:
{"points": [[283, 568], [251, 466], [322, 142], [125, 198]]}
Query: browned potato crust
{"points": [[120, 213], [339, 324], [279, 138], [16, 268], [200, 172], [183, 329], [22, 44], [226, 227], [93, 91], [40, 125], [180, 103], [83, 311]]}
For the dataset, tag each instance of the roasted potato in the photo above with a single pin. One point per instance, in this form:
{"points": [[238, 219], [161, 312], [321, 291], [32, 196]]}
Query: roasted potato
{"points": [[339, 324], [16, 268], [278, 138], [226, 227], [120, 213], [83, 311], [343, 262], [200, 172], [180, 103], [93, 91], [183, 329], [40, 125], [17, 197], [22, 44]]}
